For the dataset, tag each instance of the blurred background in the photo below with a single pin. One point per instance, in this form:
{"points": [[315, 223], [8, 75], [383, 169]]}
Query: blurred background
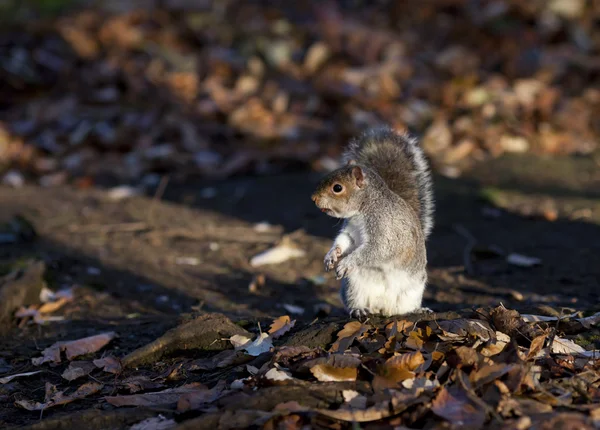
{"points": [[150, 149]]}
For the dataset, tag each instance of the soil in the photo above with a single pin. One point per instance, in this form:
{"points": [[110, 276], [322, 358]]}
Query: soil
{"points": [[189, 253]]}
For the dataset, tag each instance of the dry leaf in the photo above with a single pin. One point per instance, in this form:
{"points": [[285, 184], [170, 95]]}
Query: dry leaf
{"points": [[55, 398], [155, 423], [346, 336], [326, 373], [454, 405], [494, 347], [276, 255], [397, 369], [78, 369], [7, 379], [74, 348], [109, 364], [281, 326], [354, 399], [196, 399], [168, 397], [523, 260], [293, 309], [565, 346], [263, 343], [536, 346], [277, 375]]}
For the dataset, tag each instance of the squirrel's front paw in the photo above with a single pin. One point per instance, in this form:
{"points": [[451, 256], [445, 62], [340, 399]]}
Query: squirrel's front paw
{"points": [[332, 258], [343, 268], [360, 314]]}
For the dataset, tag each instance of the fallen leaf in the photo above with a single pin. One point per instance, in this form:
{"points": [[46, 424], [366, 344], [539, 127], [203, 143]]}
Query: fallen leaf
{"points": [[293, 309], [522, 260], [489, 373], [139, 383], [168, 397], [453, 405], [398, 403], [55, 398], [418, 385], [544, 318], [277, 375], [78, 369], [74, 348], [109, 364], [397, 369], [239, 341], [155, 423], [281, 326], [536, 346], [354, 399], [346, 336], [565, 346], [263, 343], [276, 255], [7, 379], [326, 373], [193, 400], [496, 346], [223, 359]]}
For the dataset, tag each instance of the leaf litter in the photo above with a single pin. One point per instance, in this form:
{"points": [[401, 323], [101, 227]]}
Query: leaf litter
{"points": [[251, 101], [465, 370]]}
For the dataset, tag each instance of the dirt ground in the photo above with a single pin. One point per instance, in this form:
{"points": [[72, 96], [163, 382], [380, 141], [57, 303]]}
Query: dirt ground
{"points": [[186, 252]]}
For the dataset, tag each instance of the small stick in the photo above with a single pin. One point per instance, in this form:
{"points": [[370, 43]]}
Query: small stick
{"points": [[461, 230], [127, 227], [160, 190]]}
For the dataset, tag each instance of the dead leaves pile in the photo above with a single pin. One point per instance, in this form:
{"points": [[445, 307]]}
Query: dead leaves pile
{"points": [[489, 367], [245, 87]]}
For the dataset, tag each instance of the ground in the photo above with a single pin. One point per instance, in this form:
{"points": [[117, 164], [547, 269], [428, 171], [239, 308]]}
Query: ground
{"points": [[187, 253]]}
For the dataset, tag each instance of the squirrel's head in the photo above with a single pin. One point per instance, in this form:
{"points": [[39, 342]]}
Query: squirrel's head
{"points": [[339, 193]]}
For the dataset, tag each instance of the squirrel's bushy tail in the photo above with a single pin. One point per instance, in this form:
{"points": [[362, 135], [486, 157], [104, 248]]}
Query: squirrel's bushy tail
{"points": [[400, 161]]}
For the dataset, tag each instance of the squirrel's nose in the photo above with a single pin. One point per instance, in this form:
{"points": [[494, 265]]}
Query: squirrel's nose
{"points": [[313, 198]]}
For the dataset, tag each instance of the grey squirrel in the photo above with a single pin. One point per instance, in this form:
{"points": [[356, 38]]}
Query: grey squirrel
{"points": [[384, 194]]}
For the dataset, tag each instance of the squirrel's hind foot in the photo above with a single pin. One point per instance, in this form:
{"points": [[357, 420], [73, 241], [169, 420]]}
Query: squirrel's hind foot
{"points": [[360, 314]]}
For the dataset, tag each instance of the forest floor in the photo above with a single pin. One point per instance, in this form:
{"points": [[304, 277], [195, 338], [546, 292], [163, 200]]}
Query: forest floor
{"points": [[135, 266]]}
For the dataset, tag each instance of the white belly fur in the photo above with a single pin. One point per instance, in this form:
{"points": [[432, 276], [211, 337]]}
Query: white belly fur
{"points": [[389, 291]]}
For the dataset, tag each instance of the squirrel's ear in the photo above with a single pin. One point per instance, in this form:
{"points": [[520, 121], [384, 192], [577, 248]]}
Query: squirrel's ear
{"points": [[359, 176], [351, 162]]}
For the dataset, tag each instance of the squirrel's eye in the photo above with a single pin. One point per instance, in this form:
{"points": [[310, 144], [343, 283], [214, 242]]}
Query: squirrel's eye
{"points": [[337, 188]]}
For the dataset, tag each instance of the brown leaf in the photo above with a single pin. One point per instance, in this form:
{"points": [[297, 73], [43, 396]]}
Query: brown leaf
{"points": [[398, 403], [223, 359], [55, 398], [138, 383], [325, 373], [454, 405], [463, 356], [281, 326], [397, 369], [195, 399], [415, 340], [109, 364], [168, 397], [333, 360], [74, 348], [78, 369], [489, 373], [410, 361], [347, 335], [536, 346]]}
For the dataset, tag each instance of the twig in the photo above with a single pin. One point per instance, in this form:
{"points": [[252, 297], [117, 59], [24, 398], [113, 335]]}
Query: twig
{"points": [[160, 190], [223, 235], [471, 241], [127, 227]]}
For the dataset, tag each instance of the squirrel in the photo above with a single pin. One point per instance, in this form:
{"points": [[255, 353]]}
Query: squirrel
{"points": [[384, 194]]}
